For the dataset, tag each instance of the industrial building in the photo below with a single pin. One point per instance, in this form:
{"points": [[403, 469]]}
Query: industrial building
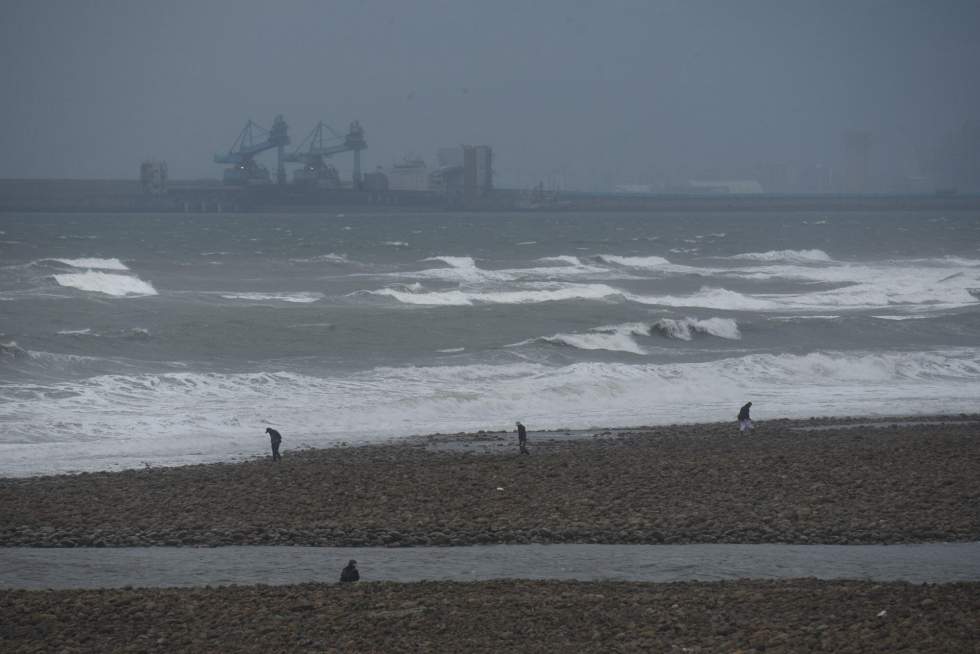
{"points": [[462, 172]]}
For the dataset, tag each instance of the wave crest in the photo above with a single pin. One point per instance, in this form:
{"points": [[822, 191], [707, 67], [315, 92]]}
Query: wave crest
{"points": [[301, 298], [646, 263], [535, 293], [106, 283], [685, 328], [786, 256], [616, 338], [93, 262]]}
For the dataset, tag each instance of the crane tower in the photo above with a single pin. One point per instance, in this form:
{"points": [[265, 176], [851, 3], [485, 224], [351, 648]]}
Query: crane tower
{"points": [[252, 141], [321, 144]]}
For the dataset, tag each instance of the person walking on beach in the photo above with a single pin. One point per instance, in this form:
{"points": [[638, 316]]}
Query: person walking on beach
{"points": [[522, 438], [744, 421], [275, 438], [350, 573]]}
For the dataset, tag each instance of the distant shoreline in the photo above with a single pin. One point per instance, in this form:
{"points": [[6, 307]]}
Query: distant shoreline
{"points": [[126, 196]]}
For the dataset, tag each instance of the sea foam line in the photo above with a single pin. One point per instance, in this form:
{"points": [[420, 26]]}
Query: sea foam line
{"points": [[112, 420], [92, 262], [533, 293], [299, 298]]}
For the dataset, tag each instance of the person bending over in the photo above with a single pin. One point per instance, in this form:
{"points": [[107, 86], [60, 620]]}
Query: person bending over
{"points": [[275, 438]]}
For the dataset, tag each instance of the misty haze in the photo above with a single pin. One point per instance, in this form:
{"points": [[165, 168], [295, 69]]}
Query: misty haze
{"points": [[580, 96]]}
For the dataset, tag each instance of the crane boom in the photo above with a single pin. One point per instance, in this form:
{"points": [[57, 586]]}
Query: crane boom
{"points": [[324, 142], [243, 151]]}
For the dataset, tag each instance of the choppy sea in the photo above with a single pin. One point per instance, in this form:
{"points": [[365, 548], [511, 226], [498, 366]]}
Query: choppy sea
{"points": [[128, 340]]}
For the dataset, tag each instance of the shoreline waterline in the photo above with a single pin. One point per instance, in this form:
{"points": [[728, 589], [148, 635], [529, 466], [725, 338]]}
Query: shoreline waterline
{"points": [[491, 440], [76, 568]]}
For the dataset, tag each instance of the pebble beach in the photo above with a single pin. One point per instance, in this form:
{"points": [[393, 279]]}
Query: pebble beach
{"points": [[787, 482], [807, 481]]}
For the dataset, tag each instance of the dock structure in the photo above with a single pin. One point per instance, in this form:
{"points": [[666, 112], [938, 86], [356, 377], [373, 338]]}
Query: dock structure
{"points": [[121, 195]]}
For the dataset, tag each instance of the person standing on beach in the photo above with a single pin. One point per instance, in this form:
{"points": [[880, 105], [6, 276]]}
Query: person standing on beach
{"points": [[275, 438], [522, 438], [744, 421], [350, 573]]}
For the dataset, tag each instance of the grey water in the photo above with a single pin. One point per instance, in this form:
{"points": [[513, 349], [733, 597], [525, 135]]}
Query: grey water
{"points": [[38, 568], [128, 340]]}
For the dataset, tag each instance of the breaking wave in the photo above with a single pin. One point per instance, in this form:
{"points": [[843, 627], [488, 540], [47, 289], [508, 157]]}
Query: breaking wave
{"points": [[622, 337], [300, 298], [122, 420], [464, 270], [616, 338], [646, 263], [711, 298], [786, 256], [533, 293], [106, 283], [98, 264], [325, 258], [686, 328]]}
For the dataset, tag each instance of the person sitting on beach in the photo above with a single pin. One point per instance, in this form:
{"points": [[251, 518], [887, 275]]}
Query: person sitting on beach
{"points": [[744, 421], [522, 438], [350, 573], [276, 438]]}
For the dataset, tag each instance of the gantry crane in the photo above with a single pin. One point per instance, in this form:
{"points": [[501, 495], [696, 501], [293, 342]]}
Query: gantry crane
{"points": [[324, 142], [246, 171]]}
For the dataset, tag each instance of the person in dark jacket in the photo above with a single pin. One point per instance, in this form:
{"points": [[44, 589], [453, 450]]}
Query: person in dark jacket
{"points": [[522, 438], [275, 438], [744, 421], [350, 573]]}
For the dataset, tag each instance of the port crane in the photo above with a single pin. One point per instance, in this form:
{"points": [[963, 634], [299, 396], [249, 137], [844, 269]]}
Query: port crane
{"points": [[251, 141], [324, 142]]}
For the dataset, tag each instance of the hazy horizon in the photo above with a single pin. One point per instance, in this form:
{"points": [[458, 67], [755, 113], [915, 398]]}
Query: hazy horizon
{"points": [[579, 95]]}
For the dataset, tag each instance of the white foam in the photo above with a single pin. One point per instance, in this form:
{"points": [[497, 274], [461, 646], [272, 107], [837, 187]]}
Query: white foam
{"points": [[106, 283], [685, 328], [464, 270], [710, 298], [461, 269], [325, 258], [120, 421], [396, 244], [645, 263], [91, 262], [299, 298], [531, 294], [789, 256], [452, 350], [936, 284], [960, 261], [562, 258], [617, 338], [75, 332]]}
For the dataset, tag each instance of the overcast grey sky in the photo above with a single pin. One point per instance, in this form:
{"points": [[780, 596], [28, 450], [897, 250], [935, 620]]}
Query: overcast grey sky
{"points": [[617, 90]]}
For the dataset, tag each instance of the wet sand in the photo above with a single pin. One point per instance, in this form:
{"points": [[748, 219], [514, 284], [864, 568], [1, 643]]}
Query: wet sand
{"points": [[887, 482], [64, 568]]}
